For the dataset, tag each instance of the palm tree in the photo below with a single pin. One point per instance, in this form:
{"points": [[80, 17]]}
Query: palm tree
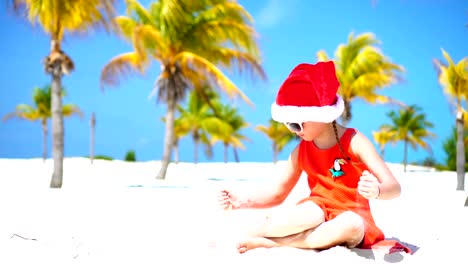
{"points": [[231, 135], [454, 80], [92, 125], [179, 132], [198, 120], [41, 110], [56, 18], [191, 40], [382, 137], [279, 135], [450, 148], [409, 125], [362, 69]]}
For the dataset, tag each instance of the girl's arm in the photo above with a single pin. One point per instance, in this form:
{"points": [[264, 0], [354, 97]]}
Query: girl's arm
{"points": [[388, 186], [272, 194]]}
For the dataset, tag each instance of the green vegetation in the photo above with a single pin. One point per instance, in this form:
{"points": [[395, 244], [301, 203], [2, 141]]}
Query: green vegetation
{"points": [[41, 111], [103, 157], [279, 135], [450, 148], [362, 70], [209, 124], [197, 119], [409, 125], [453, 78], [57, 18], [230, 133], [191, 40], [382, 138], [130, 156]]}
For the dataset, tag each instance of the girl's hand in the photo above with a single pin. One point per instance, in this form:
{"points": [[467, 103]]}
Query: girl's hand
{"points": [[368, 186], [227, 200]]}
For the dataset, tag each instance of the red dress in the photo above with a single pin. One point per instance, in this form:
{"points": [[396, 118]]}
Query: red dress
{"points": [[333, 181]]}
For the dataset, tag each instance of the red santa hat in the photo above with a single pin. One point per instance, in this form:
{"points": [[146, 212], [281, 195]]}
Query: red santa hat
{"points": [[309, 94]]}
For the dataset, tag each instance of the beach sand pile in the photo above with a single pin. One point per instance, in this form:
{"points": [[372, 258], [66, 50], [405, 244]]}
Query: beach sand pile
{"points": [[117, 212]]}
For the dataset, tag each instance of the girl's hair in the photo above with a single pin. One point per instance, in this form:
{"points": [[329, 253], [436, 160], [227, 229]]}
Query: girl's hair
{"points": [[338, 140], [347, 157]]}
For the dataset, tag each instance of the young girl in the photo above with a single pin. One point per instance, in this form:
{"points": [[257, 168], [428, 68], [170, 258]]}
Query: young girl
{"points": [[343, 168]]}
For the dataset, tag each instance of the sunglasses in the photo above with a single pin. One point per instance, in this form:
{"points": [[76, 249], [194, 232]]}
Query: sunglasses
{"points": [[294, 127]]}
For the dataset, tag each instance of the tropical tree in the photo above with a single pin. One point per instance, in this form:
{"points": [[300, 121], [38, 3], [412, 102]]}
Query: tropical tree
{"points": [[198, 120], [362, 69], [382, 137], [449, 146], [191, 40], [409, 124], [279, 135], [92, 126], [57, 17], [454, 80], [231, 135], [41, 111], [180, 130]]}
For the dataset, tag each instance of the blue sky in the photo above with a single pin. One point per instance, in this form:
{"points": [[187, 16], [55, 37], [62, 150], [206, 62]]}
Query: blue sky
{"points": [[412, 33]]}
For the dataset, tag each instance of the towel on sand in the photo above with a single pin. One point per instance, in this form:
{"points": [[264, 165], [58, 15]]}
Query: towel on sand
{"points": [[390, 246]]}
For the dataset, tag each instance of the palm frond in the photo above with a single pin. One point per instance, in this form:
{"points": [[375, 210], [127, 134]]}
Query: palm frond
{"points": [[24, 111], [244, 62], [147, 40], [123, 65], [57, 17], [138, 12], [322, 56], [216, 76], [126, 26], [69, 110], [453, 79]]}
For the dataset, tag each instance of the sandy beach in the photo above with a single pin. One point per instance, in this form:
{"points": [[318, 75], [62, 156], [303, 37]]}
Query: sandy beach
{"points": [[116, 211]]}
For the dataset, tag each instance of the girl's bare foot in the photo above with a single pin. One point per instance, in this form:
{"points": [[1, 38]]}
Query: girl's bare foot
{"points": [[255, 242]]}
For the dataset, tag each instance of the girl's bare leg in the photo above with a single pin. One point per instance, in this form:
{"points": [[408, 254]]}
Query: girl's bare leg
{"points": [[347, 228], [285, 221]]}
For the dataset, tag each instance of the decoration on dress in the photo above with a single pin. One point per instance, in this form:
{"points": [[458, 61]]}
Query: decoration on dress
{"points": [[336, 170]]}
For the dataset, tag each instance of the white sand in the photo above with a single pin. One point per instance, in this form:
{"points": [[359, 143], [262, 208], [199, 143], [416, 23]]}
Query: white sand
{"points": [[117, 212]]}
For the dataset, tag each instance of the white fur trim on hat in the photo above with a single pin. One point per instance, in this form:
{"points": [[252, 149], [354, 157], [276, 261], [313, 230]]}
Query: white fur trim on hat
{"points": [[299, 114]]}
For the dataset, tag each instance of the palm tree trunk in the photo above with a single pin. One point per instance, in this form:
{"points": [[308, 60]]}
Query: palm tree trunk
{"points": [[236, 155], [57, 126], [168, 138], [176, 151], [226, 149], [405, 155], [44, 139], [91, 141], [347, 115], [195, 150], [460, 152], [275, 153]]}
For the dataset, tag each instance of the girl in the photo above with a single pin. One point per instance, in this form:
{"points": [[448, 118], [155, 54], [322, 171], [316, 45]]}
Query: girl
{"points": [[343, 168]]}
